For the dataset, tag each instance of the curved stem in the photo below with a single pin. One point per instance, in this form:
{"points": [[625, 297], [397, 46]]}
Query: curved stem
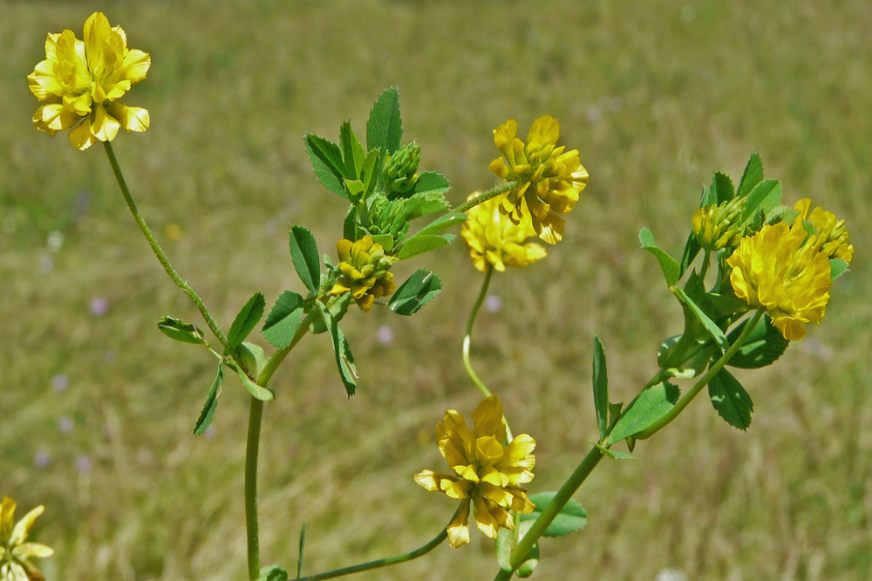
{"points": [[377, 563], [705, 264], [467, 338], [158, 251], [704, 380], [491, 193]]}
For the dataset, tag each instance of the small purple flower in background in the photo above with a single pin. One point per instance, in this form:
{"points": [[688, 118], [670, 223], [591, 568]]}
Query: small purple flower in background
{"points": [[42, 458], [46, 263], [384, 335], [493, 303], [60, 382], [99, 306], [66, 424], [210, 432], [84, 464]]}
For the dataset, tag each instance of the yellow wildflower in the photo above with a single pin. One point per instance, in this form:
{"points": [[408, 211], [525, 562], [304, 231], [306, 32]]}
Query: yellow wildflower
{"points": [[15, 552], [831, 234], [715, 227], [495, 240], [781, 269], [549, 178], [486, 471], [79, 83], [364, 271]]}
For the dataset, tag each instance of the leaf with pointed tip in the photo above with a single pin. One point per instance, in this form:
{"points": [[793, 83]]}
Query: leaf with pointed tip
{"points": [[385, 126], [256, 391], [211, 403], [765, 196], [752, 176], [419, 244], [696, 311], [246, 320], [600, 387], [723, 187], [352, 151], [691, 249], [418, 290], [327, 163], [181, 331], [344, 358], [671, 269], [431, 182], [650, 406], [731, 400], [304, 256]]}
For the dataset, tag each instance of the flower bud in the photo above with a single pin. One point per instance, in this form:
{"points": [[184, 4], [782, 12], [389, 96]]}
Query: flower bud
{"points": [[717, 226], [400, 170]]}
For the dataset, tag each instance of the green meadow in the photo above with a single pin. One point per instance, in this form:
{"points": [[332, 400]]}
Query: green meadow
{"points": [[97, 407]]}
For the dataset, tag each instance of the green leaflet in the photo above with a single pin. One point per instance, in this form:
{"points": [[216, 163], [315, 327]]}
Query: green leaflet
{"points": [[211, 403], [671, 269], [731, 400], [180, 331], [651, 405], [385, 126], [600, 387], [572, 517], [418, 290], [245, 321], [304, 256], [284, 320]]}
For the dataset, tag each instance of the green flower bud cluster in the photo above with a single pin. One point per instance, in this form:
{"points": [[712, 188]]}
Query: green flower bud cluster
{"points": [[400, 170], [718, 226]]}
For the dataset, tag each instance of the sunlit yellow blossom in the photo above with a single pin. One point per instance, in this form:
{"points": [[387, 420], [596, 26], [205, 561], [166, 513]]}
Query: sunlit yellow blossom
{"points": [[15, 551], [79, 83], [485, 470], [495, 240], [831, 236], [549, 178], [364, 269], [781, 269], [716, 226]]}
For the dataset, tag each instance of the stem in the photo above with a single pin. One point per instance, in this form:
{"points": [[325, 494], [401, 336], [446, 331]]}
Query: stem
{"points": [[552, 509], [703, 381], [705, 265], [252, 447], [491, 193], [413, 554], [158, 251], [467, 339]]}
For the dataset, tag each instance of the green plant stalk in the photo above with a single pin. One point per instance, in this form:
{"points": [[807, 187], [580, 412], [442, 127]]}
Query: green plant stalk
{"points": [[467, 338], [252, 450], [491, 193], [158, 251], [705, 264], [583, 470], [387, 561], [704, 380], [552, 509]]}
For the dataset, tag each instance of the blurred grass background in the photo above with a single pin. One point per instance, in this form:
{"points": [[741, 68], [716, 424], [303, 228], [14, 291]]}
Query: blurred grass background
{"points": [[97, 406]]}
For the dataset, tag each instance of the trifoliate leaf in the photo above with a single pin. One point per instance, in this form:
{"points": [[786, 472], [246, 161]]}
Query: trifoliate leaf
{"points": [[211, 403], [181, 331], [731, 400], [246, 320], [649, 407], [572, 517]]}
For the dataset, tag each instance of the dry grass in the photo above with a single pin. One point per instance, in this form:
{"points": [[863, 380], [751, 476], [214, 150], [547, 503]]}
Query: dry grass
{"points": [[656, 96]]}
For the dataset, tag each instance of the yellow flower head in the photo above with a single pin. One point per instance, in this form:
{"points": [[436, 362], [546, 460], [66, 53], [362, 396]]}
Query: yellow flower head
{"points": [[781, 269], [495, 240], [15, 551], [549, 178], [364, 271], [715, 227], [831, 234], [79, 84], [484, 470]]}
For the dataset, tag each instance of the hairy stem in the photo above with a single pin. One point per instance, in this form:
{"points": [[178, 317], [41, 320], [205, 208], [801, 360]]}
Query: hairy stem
{"points": [[491, 193], [158, 251]]}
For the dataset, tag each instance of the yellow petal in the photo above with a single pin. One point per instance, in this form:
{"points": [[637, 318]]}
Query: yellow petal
{"points": [[135, 67], [545, 130], [32, 550], [22, 527], [488, 418], [427, 479], [53, 118], [131, 118], [458, 528], [7, 517], [81, 137], [96, 35], [104, 127]]}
